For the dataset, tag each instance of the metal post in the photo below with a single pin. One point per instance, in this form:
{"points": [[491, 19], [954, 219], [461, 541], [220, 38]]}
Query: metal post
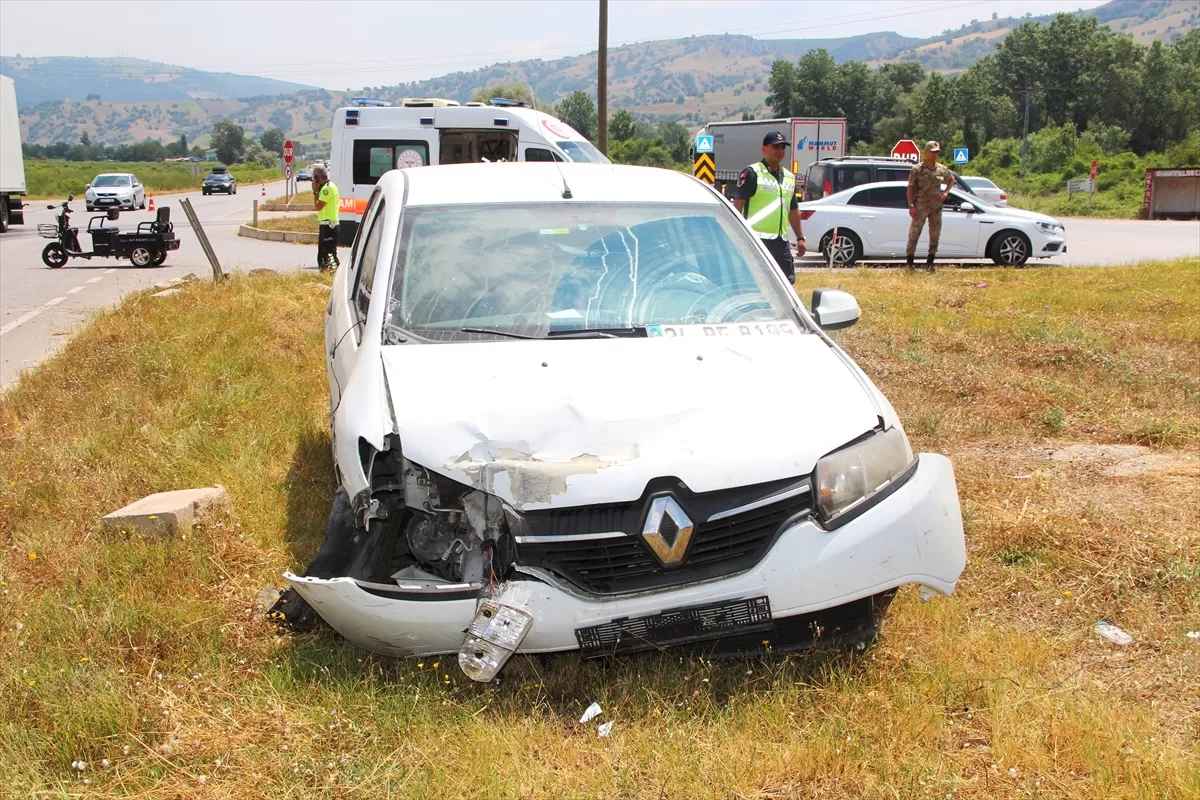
{"points": [[202, 237], [254, 222], [602, 80], [1025, 136]]}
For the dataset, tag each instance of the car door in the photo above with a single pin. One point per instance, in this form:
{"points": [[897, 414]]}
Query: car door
{"points": [[960, 229], [348, 300], [862, 217], [889, 227], [139, 192]]}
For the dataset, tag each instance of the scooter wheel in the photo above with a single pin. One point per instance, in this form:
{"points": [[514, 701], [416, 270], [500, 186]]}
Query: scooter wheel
{"points": [[53, 256], [159, 257], [141, 256]]}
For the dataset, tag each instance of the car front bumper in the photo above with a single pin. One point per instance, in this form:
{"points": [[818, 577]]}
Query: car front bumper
{"points": [[914, 535], [1050, 245]]}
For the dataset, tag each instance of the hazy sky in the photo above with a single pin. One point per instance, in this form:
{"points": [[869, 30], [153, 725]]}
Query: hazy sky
{"points": [[356, 43]]}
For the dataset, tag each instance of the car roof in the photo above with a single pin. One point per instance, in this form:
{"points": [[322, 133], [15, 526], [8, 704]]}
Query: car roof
{"points": [[861, 187], [117, 174], [524, 182]]}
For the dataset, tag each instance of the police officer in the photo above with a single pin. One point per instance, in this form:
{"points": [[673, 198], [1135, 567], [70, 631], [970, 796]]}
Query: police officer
{"points": [[766, 197], [325, 199], [928, 186]]}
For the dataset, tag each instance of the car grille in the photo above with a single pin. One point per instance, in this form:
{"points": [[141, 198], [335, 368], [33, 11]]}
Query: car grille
{"points": [[623, 564]]}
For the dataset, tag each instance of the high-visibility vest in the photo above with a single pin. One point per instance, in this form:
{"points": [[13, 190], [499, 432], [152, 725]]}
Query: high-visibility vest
{"points": [[767, 210]]}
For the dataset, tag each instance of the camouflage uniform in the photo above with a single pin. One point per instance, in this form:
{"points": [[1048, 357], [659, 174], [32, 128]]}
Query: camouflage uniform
{"points": [[927, 183]]}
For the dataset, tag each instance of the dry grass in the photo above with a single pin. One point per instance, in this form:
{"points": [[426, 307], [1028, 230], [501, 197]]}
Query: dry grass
{"points": [[304, 224], [154, 656]]}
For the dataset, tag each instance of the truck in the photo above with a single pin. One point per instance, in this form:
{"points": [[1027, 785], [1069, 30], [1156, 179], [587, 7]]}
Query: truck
{"points": [[12, 167], [736, 145], [374, 137]]}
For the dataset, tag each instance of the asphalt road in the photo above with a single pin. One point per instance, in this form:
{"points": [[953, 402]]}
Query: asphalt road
{"points": [[41, 307]]}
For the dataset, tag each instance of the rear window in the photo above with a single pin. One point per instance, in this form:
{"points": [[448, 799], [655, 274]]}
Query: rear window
{"points": [[979, 183], [814, 185], [373, 157]]}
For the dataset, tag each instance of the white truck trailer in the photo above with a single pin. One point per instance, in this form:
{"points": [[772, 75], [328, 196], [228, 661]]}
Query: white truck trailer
{"points": [[12, 166], [736, 145]]}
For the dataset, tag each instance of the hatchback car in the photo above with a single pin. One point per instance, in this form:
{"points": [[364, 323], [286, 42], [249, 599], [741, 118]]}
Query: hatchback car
{"points": [[219, 182], [872, 222], [304, 174], [984, 188], [547, 400], [115, 190], [838, 174]]}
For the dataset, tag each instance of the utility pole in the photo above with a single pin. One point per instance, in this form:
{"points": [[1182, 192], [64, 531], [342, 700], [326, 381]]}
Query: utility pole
{"points": [[602, 81], [1025, 136]]}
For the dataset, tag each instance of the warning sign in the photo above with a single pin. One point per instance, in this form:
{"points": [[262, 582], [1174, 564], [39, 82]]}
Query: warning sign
{"points": [[705, 168]]}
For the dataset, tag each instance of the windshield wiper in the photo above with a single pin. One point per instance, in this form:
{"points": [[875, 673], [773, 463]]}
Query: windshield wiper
{"points": [[598, 333], [494, 332]]}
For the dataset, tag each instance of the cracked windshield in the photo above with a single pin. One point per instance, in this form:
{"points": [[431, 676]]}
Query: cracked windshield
{"points": [[535, 270]]}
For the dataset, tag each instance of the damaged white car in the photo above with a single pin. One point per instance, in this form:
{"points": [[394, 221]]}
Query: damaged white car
{"points": [[577, 407]]}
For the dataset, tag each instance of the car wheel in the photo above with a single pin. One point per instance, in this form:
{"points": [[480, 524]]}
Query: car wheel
{"points": [[159, 257], [235, 190], [141, 256], [54, 256], [143, 205], [1010, 249], [90, 208], [3, 214], [846, 250]]}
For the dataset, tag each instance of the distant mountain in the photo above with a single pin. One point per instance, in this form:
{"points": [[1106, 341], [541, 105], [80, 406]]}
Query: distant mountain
{"points": [[60, 78], [693, 80]]}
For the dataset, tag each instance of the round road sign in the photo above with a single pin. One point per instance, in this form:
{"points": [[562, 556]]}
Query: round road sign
{"points": [[907, 149], [287, 152]]}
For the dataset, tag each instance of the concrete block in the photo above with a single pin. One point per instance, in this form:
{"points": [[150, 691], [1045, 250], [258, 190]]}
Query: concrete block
{"points": [[165, 293], [167, 512], [275, 236]]}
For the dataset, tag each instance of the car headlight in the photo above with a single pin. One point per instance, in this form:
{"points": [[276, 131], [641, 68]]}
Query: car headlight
{"points": [[1050, 227], [850, 476]]}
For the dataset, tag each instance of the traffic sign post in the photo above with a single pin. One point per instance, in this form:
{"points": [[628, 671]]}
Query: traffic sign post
{"points": [[960, 155], [288, 153], [704, 144], [1092, 188], [908, 150]]}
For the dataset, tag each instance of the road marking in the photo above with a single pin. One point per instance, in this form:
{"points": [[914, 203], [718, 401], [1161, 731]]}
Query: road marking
{"points": [[93, 280], [76, 290], [110, 270], [21, 320], [54, 302]]}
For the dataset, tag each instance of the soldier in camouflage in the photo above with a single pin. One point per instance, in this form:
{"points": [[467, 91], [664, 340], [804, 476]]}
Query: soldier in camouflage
{"points": [[928, 187]]}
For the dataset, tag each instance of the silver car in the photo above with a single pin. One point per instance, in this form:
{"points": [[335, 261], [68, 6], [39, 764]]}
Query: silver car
{"points": [[987, 190], [115, 190]]}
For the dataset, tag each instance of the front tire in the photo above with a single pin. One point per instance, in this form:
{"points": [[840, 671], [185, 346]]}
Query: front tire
{"points": [[54, 256], [141, 256], [3, 214], [846, 251], [1010, 249]]}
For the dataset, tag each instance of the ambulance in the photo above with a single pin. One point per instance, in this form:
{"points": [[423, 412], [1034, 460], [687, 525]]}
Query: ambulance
{"points": [[373, 137]]}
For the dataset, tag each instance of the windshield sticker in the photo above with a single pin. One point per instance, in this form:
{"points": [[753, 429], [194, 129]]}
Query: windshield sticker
{"points": [[554, 231], [698, 331]]}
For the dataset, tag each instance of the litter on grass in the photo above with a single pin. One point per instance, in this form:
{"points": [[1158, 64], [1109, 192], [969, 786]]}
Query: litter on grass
{"points": [[604, 730], [1113, 634], [590, 713]]}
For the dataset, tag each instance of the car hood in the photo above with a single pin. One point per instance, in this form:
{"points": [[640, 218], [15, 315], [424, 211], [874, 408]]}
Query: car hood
{"points": [[567, 423], [1019, 213]]}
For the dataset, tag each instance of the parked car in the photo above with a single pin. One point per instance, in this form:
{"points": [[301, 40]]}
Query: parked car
{"points": [[219, 180], [872, 222], [984, 188], [114, 190], [610, 482], [304, 174], [838, 174]]}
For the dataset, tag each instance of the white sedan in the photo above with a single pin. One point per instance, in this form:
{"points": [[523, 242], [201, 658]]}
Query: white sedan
{"points": [[986, 189], [559, 424], [120, 190], [872, 221]]}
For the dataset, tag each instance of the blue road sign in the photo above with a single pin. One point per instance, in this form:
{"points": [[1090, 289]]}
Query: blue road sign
{"points": [[704, 144], [960, 155]]}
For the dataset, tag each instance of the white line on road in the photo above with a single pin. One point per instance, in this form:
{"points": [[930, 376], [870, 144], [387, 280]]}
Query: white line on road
{"points": [[110, 270], [76, 290], [21, 320], [54, 302], [93, 280]]}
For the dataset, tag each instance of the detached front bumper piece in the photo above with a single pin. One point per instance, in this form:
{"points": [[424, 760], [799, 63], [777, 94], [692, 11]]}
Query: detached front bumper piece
{"points": [[812, 580]]}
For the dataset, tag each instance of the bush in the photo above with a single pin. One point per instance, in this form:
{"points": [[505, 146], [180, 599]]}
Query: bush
{"points": [[55, 178]]}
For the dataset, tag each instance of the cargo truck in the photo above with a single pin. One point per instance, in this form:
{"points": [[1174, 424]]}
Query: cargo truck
{"points": [[12, 167], [736, 145]]}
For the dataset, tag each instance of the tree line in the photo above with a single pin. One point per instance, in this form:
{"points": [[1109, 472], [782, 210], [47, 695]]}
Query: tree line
{"points": [[229, 139], [1072, 72]]}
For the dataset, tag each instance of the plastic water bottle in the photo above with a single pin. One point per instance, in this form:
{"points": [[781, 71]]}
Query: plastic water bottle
{"points": [[1113, 634]]}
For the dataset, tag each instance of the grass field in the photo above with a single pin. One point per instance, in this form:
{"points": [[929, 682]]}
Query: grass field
{"points": [[151, 660], [55, 178], [306, 223]]}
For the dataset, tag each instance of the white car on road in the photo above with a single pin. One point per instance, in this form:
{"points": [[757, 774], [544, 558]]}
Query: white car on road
{"points": [[121, 190], [872, 221], [987, 190], [579, 408]]}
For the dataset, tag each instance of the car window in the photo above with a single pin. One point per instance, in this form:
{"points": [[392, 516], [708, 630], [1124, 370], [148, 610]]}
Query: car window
{"points": [[979, 183], [814, 187], [893, 175], [541, 154], [862, 198], [583, 152], [360, 236], [849, 177], [373, 157], [366, 270], [889, 197], [111, 180], [537, 268]]}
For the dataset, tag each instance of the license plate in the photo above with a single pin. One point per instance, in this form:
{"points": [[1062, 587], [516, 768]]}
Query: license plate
{"points": [[676, 626]]}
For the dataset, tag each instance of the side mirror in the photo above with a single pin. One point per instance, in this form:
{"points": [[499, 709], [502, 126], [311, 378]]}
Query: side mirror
{"points": [[51, 206], [114, 213], [966, 208], [833, 309], [88, 186]]}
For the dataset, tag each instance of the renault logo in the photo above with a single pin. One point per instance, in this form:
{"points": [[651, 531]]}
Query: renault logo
{"points": [[668, 530]]}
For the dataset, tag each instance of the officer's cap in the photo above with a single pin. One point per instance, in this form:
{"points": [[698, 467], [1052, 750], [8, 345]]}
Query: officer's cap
{"points": [[775, 137], [933, 146]]}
